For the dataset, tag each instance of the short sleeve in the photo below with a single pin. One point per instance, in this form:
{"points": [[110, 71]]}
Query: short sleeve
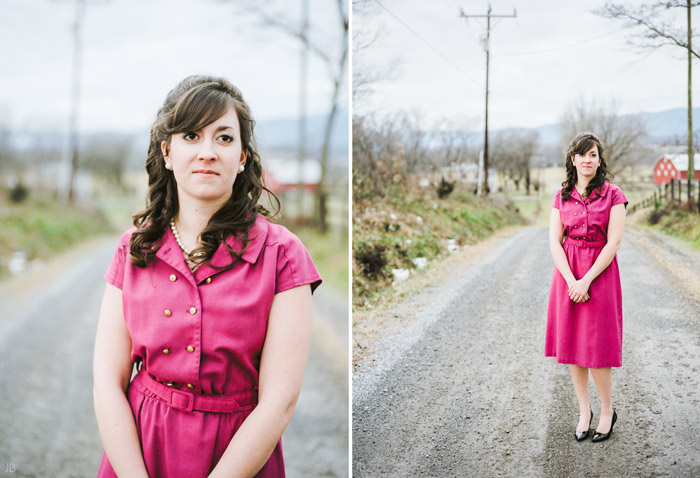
{"points": [[294, 266], [115, 272], [618, 197], [556, 204]]}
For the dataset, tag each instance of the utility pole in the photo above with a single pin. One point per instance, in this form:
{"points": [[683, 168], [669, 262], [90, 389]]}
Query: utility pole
{"points": [[488, 16], [691, 162], [301, 153], [75, 94]]}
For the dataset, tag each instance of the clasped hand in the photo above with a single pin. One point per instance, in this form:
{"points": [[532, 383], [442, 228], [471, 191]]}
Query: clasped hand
{"points": [[578, 291]]}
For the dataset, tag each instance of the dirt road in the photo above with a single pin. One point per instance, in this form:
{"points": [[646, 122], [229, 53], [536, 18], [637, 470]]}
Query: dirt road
{"points": [[458, 385], [47, 333]]}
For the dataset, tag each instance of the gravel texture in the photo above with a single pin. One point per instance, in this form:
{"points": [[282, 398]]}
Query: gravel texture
{"points": [[457, 385], [47, 334]]}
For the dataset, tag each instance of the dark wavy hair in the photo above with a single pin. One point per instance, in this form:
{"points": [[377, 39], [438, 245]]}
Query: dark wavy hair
{"points": [[581, 144], [194, 103]]}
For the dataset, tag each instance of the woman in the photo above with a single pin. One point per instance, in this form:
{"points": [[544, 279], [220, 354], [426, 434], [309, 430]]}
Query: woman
{"points": [[209, 299], [584, 321]]}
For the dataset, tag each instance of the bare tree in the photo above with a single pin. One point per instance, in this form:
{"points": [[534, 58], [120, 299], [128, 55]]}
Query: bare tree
{"points": [[512, 155], [366, 74], [378, 158], [106, 156], [453, 145], [335, 57], [659, 27], [622, 136]]}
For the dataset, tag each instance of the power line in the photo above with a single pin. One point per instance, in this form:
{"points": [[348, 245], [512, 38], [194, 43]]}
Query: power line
{"points": [[562, 47], [485, 179], [420, 37]]}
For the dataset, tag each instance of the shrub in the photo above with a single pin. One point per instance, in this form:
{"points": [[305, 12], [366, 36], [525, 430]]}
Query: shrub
{"points": [[444, 189], [656, 215], [18, 193], [372, 259]]}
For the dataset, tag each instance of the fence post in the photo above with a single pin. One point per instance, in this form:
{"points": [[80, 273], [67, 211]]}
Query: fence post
{"points": [[690, 189], [672, 190]]}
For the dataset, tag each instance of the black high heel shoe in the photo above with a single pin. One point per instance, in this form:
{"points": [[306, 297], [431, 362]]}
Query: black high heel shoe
{"points": [[604, 436], [580, 436]]}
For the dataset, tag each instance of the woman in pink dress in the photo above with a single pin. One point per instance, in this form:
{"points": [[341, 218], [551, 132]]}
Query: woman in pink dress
{"points": [[209, 299], [584, 320]]}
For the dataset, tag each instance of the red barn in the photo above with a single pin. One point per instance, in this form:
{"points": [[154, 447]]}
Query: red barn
{"points": [[673, 166]]}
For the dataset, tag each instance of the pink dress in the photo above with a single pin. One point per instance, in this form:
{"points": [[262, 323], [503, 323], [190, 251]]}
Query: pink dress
{"points": [[588, 334], [198, 337]]}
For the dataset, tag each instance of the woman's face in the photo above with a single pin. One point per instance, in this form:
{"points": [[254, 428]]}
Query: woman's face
{"points": [[587, 164], [206, 162]]}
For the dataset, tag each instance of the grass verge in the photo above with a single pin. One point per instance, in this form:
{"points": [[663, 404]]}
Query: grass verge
{"points": [[330, 254], [392, 236], [679, 221], [40, 227]]}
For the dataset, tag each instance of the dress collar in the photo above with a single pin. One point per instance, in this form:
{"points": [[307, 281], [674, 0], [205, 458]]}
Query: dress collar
{"points": [[595, 194], [171, 254]]}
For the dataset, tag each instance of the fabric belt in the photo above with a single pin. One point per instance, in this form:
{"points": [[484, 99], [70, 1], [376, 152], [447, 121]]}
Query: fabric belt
{"points": [[188, 401], [584, 243]]}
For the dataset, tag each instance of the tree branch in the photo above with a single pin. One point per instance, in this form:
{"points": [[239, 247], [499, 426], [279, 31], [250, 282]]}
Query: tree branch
{"points": [[643, 16]]}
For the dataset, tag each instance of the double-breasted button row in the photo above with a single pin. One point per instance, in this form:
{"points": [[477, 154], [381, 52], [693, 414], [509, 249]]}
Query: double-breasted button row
{"points": [[168, 312], [173, 278], [189, 348]]}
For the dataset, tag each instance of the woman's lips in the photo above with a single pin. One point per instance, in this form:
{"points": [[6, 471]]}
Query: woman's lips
{"points": [[206, 172]]}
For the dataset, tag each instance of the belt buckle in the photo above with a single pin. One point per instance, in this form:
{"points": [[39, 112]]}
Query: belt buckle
{"points": [[177, 402]]}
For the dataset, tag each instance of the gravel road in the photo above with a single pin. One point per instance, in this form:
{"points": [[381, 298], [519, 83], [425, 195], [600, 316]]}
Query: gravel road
{"points": [[458, 385], [47, 333]]}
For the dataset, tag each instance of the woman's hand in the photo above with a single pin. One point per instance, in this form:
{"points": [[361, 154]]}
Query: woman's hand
{"points": [[578, 291]]}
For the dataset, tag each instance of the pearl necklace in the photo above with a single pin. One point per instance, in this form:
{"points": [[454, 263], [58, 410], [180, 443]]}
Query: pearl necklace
{"points": [[178, 239]]}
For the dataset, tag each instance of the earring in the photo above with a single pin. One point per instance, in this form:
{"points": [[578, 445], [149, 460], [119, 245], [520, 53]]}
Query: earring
{"points": [[168, 166], [241, 168]]}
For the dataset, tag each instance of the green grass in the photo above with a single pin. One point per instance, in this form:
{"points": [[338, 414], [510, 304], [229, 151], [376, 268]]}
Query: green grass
{"points": [[391, 232], [42, 227], [682, 223], [330, 254]]}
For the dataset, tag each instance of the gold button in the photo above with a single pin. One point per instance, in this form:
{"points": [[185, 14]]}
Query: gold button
{"points": [[189, 385], [575, 227], [584, 224], [166, 350], [208, 281], [190, 349], [575, 214], [173, 277], [193, 310], [169, 384], [584, 213], [167, 312]]}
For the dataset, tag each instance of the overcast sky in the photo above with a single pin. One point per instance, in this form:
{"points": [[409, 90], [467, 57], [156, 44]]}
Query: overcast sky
{"points": [[551, 54], [135, 51]]}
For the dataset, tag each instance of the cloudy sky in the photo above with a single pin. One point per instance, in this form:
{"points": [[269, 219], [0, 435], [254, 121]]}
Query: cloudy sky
{"points": [[135, 51], [550, 55]]}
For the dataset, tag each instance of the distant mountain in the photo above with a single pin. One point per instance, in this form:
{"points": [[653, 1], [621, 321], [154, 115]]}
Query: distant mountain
{"points": [[662, 126], [283, 133], [276, 134]]}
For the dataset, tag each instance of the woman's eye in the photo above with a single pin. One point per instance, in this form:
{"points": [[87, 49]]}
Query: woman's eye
{"points": [[189, 136], [226, 138]]}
